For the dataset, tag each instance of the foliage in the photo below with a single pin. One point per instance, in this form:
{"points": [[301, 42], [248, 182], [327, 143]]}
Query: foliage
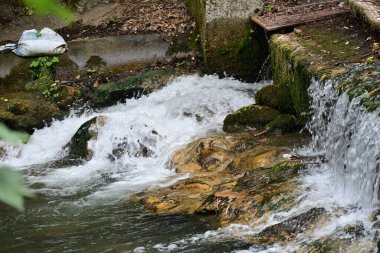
{"points": [[54, 7], [12, 185], [12, 136], [12, 188], [43, 63], [43, 70]]}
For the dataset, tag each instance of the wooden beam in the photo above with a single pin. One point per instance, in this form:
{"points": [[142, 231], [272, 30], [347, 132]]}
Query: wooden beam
{"points": [[280, 21]]}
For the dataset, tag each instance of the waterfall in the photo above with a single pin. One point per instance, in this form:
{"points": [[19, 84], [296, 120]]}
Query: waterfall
{"points": [[348, 138]]}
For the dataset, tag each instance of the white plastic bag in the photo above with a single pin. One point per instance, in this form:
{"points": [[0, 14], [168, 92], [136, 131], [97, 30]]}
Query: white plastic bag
{"points": [[37, 43]]}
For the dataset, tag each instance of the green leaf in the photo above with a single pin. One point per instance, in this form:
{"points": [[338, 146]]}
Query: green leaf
{"points": [[38, 34], [34, 64], [12, 136], [13, 189], [55, 59], [49, 63]]}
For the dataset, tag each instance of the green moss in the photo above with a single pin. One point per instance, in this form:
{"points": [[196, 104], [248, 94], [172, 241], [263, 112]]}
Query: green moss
{"points": [[287, 166], [27, 111], [257, 179], [291, 71], [285, 123], [253, 116], [276, 97], [110, 93], [318, 52], [197, 9], [234, 47], [41, 83]]}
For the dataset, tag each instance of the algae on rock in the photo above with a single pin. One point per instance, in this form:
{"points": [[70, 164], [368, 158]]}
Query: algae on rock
{"points": [[253, 116]]}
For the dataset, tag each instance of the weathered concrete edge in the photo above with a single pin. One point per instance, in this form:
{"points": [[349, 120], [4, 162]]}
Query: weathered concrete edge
{"points": [[367, 12]]}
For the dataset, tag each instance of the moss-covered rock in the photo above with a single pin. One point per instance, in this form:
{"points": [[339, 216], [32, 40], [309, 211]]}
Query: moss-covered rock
{"points": [[253, 116], [66, 96], [27, 111], [133, 86], [277, 97], [284, 123]]}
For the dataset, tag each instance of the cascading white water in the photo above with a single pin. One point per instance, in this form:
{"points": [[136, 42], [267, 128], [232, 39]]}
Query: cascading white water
{"points": [[162, 122], [348, 138], [344, 179]]}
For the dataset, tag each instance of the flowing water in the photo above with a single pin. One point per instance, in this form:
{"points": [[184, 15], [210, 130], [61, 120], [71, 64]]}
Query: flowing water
{"points": [[78, 209]]}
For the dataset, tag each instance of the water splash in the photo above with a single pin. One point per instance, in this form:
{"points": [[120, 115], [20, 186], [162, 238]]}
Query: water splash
{"points": [[160, 124]]}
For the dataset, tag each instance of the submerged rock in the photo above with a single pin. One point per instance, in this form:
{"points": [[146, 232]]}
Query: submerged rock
{"points": [[79, 143]]}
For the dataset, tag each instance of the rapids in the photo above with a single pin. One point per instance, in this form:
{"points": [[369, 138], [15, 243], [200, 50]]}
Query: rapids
{"points": [[343, 179]]}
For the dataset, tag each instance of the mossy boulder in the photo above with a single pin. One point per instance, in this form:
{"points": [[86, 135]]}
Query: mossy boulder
{"points": [[27, 111], [253, 116], [277, 97], [284, 123], [132, 86]]}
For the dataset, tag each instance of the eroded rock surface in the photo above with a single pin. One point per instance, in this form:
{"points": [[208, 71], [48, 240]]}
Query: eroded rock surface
{"points": [[239, 177]]}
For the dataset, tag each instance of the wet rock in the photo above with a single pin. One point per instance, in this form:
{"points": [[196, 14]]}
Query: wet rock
{"points": [[253, 116], [3, 152], [356, 229], [190, 167], [261, 183], [285, 123], [131, 87], [27, 111], [291, 227], [262, 157], [78, 145], [276, 97], [255, 180], [124, 148]]}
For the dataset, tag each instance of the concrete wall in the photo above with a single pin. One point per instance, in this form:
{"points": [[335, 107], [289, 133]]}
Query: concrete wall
{"points": [[231, 45]]}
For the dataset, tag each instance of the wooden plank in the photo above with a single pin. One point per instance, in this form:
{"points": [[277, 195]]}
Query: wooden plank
{"points": [[281, 21]]}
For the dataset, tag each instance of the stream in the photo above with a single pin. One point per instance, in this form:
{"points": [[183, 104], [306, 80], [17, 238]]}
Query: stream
{"points": [[84, 209]]}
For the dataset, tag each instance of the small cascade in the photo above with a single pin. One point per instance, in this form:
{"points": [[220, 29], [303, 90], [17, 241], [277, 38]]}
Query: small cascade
{"points": [[133, 148], [347, 137]]}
